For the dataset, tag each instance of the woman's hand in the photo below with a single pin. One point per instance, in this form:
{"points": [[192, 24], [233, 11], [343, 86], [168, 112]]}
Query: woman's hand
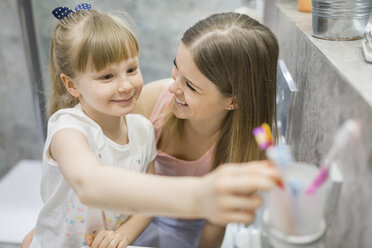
{"points": [[107, 239], [228, 194]]}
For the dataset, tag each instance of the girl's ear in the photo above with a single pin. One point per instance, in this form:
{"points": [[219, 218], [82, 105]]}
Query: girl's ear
{"points": [[69, 84]]}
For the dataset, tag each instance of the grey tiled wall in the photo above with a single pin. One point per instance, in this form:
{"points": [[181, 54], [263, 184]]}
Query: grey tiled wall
{"points": [[324, 101], [20, 136]]}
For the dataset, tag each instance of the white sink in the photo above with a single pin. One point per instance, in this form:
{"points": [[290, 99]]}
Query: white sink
{"points": [[20, 201]]}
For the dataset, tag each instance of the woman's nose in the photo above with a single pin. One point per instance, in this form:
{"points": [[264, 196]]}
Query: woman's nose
{"points": [[174, 74], [175, 87]]}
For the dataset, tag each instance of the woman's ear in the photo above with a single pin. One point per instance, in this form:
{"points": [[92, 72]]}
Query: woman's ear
{"points": [[69, 84], [232, 104]]}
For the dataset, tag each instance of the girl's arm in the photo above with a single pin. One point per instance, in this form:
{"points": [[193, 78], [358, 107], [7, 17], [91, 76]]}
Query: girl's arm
{"points": [[26, 242], [136, 224], [222, 196], [126, 234], [212, 235]]}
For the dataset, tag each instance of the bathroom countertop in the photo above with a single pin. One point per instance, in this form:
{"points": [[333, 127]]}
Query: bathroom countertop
{"points": [[346, 56]]}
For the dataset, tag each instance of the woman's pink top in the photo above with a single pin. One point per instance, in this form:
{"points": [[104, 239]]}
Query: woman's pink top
{"points": [[167, 232], [166, 164]]}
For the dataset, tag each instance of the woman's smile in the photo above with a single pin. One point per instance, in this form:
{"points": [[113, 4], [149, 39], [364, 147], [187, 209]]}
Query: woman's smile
{"points": [[179, 102]]}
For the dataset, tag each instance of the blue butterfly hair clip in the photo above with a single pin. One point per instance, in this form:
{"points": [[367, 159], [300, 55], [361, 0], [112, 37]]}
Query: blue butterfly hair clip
{"points": [[62, 12]]}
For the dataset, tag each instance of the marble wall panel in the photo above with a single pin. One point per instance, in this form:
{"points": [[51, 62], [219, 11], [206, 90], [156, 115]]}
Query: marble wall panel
{"points": [[325, 100]]}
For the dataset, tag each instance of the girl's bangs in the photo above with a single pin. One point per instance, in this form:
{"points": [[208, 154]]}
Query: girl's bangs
{"points": [[105, 46]]}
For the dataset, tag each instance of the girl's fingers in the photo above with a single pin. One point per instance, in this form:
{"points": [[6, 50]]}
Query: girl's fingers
{"points": [[115, 241], [229, 192], [105, 242], [245, 217], [89, 239], [98, 240], [244, 185], [264, 167], [238, 202], [122, 244]]}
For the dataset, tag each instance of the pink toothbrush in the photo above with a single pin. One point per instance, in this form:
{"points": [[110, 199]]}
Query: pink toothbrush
{"points": [[350, 128]]}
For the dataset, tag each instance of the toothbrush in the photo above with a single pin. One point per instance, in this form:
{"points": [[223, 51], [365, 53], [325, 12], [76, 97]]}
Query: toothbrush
{"points": [[280, 156], [263, 136], [349, 129], [265, 142]]}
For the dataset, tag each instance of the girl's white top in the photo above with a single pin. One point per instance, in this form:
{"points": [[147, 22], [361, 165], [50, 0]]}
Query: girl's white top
{"points": [[64, 221]]}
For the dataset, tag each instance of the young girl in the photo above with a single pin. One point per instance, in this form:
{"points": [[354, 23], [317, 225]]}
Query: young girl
{"points": [[96, 83]]}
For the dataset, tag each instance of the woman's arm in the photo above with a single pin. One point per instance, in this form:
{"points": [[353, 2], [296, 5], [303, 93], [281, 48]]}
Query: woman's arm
{"points": [[149, 95]]}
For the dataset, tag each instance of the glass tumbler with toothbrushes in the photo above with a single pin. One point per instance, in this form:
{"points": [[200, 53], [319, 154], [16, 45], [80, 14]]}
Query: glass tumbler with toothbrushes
{"points": [[288, 212], [294, 215]]}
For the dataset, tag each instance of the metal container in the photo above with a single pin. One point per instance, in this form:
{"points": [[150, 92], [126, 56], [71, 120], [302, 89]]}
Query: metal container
{"points": [[340, 19]]}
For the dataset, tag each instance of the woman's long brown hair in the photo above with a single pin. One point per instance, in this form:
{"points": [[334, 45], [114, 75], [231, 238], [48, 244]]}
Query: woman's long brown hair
{"points": [[239, 55]]}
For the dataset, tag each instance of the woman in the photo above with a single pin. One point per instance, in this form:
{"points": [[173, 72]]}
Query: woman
{"points": [[223, 85]]}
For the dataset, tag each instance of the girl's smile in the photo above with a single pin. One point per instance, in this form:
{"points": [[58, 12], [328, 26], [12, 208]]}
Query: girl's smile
{"points": [[112, 92], [124, 101]]}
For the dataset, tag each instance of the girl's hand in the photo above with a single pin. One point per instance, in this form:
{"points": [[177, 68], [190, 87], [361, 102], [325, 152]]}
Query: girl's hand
{"points": [[106, 239], [228, 194], [26, 243]]}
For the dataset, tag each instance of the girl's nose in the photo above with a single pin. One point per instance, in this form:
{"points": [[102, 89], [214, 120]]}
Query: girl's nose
{"points": [[125, 86]]}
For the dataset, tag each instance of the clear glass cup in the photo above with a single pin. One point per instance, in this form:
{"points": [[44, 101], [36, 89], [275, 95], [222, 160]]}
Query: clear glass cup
{"points": [[291, 217]]}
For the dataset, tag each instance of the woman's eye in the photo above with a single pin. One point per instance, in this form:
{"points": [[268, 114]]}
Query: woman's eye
{"points": [[188, 85], [132, 70], [107, 77], [175, 64]]}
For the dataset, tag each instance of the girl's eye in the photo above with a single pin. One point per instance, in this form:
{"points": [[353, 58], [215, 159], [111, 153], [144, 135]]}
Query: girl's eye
{"points": [[189, 85], [132, 70], [107, 77]]}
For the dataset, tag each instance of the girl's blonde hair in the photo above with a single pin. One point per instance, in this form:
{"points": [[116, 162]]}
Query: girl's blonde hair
{"points": [[85, 36], [239, 55]]}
